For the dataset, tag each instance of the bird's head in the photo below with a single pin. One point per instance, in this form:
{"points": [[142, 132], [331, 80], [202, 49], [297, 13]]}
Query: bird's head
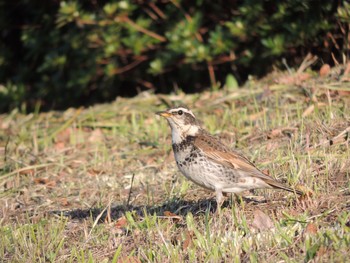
{"points": [[182, 121]]}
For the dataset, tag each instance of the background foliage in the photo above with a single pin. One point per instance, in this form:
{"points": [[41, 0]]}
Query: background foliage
{"points": [[55, 54]]}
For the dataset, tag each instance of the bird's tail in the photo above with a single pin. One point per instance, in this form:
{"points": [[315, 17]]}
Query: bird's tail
{"points": [[275, 184]]}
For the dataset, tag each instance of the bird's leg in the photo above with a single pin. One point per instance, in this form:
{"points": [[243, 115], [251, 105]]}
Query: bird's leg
{"points": [[219, 198]]}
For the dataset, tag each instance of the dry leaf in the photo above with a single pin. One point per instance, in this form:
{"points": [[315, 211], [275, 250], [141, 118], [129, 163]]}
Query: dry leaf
{"points": [[275, 133], [51, 183], [64, 136], [303, 76], [311, 229], [64, 202], [96, 136], [324, 70], [27, 172], [281, 132], [262, 221], [172, 215], [305, 200], [94, 172], [41, 180], [258, 115], [344, 92], [121, 222], [266, 171], [59, 145], [307, 191], [311, 108], [308, 111], [188, 240], [45, 181]]}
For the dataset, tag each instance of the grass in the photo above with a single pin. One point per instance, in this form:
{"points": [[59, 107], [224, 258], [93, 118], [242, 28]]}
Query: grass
{"points": [[101, 184]]}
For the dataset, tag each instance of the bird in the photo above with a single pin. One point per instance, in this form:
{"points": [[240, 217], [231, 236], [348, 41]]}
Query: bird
{"points": [[209, 163]]}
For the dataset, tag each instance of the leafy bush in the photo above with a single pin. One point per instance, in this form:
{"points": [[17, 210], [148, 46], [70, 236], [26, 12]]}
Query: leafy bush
{"points": [[61, 53]]}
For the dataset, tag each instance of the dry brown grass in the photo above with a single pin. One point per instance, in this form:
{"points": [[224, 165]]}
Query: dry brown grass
{"points": [[66, 193]]}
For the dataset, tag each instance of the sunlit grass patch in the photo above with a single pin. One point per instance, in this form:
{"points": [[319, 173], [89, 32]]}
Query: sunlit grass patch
{"points": [[101, 185]]}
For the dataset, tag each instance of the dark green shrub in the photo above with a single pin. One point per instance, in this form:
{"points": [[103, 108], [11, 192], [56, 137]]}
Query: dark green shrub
{"points": [[61, 53]]}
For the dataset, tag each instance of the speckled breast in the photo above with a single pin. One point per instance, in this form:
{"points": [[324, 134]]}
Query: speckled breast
{"points": [[201, 170]]}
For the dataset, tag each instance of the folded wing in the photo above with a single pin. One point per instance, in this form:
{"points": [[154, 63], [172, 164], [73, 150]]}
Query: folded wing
{"points": [[221, 154]]}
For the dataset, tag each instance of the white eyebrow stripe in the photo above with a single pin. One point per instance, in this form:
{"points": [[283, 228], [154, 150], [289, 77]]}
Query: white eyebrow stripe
{"points": [[184, 110]]}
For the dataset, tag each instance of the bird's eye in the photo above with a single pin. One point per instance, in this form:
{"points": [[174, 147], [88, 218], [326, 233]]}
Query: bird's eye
{"points": [[180, 112]]}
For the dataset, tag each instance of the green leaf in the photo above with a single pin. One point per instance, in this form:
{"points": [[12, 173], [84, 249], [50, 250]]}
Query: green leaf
{"points": [[231, 82]]}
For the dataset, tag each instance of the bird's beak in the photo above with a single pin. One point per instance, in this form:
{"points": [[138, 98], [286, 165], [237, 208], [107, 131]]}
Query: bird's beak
{"points": [[163, 114]]}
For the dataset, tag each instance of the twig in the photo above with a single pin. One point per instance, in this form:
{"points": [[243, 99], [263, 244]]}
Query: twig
{"points": [[129, 196], [211, 74], [157, 10], [141, 29], [5, 154], [130, 66], [307, 62]]}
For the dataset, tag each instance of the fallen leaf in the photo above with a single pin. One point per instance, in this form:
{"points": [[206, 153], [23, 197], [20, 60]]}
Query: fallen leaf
{"points": [[51, 183], [258, 115], [324, 70], [188, 240], [344, 92], [303, 76], [63, 136], [266, 171], [274, 133], [41, 180], [262, 221], [64, 202], [311, 229], [121, 222], [308, 111], [305, 201], [308, 193], [59, 145], [27, 172], [311, 108], [94, 172], [96, 136], [45, 181], [171, 215]]}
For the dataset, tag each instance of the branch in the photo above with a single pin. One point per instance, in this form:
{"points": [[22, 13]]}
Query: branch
{"points": [[140, 29]]}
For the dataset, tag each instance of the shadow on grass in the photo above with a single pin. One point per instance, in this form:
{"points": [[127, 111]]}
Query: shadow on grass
{"points": [[176, 206]]}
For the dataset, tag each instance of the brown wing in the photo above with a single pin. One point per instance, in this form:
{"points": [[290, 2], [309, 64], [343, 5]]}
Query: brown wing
{"points": [[220, 153]]}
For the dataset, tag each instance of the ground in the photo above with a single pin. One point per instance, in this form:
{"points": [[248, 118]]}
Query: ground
{"points": [[101, 185]]}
